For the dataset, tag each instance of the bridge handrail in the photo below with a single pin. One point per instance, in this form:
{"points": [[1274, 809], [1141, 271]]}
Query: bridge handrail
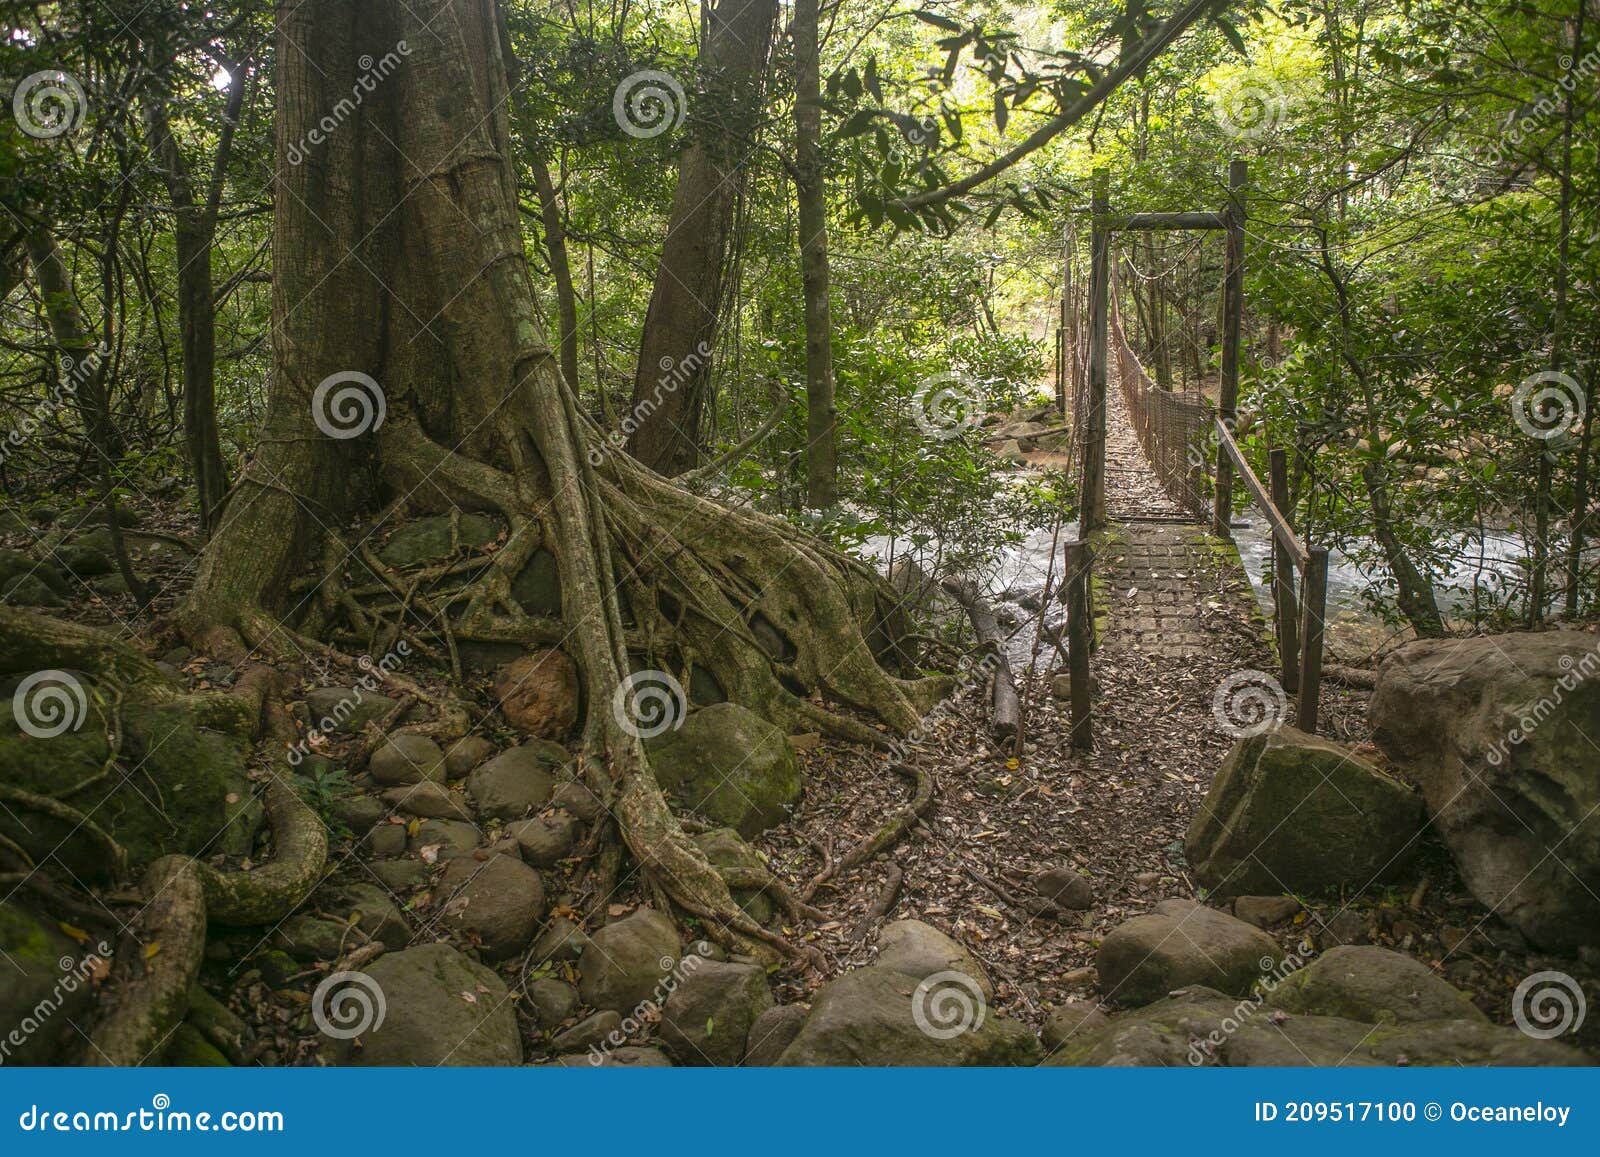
{"points": [[1281, 530]]}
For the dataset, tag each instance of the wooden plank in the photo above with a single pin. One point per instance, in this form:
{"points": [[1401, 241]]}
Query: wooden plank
{"points": [[1284, 599], [1232, 315], [1312, 616], [1078, 569], [1281, 530], [1155, 221]]}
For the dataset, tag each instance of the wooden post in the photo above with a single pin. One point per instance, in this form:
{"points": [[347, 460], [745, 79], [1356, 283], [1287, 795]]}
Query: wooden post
{"points": [[1232, 318], [1311, 623], [1079, 568], [1284, 600], [1063, 326], [1092, 499]]}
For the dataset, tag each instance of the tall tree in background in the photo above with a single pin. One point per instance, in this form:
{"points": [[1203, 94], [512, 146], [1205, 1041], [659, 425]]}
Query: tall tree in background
{"points": [[687, 295], [822, 455]]}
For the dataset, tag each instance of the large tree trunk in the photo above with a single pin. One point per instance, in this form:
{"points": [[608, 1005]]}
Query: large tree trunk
{"points": [[398, 255], [674, 367], [822, 452]]}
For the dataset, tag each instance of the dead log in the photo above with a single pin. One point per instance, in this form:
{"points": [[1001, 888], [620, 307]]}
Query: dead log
{"points": [[1006, 706]]}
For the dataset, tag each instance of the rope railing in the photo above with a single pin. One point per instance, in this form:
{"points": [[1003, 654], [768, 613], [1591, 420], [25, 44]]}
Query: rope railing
{"points": [[1173, 431]]}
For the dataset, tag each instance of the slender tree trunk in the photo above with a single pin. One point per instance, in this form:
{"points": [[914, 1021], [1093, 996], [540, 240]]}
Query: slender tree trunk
{"points": [[195, 234], [822, 451], [674, 368], [555, 247]]}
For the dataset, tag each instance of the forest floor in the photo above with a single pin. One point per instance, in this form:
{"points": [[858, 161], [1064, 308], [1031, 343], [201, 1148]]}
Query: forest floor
{"points": [[1179, 620]]}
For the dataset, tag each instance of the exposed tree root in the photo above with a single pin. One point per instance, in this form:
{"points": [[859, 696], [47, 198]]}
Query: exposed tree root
{"points": [[155, 969], [883, 904], [886, 836]]}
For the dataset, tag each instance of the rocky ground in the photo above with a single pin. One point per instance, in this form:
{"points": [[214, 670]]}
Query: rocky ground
{"points": [[1060, 885]]}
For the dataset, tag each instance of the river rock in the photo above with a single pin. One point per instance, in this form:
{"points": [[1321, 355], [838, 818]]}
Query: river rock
{"points": [[725, 849], [406, 759], [425, 540], [428, 1018], [730, 764], [1064, 887], [589, 1032], [708, 1015], [1265, 911], [575, 797], [877, 1016], [371, 909], [920, 950], [450, 838], [538, 694], [537, 587], [346, 710], [1200, 1026], [515, 782], [552, 1001], [1074, 1018], [545, 840], [625, 1057], [465, 754], [1373, 985], [496, 904], [561, 939], [625, 962], [772, 1032], [1292, 812], [429, 800], [1182, 943], [1499, 734]]}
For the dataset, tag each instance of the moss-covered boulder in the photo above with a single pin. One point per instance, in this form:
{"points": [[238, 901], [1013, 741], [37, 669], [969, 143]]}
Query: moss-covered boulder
{"points": [[427, 540], [1290, 811], [46, 990], [1371, 984], [730, 764]]}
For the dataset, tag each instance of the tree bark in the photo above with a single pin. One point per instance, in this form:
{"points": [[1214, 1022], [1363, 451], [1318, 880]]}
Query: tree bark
{"points": [[822, 451], [555, 247], [674, 367]]}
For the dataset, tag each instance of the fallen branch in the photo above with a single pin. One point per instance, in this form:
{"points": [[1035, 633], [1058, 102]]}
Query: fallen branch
{"points": [[885, 901], [1006, 711], [886, 836]]}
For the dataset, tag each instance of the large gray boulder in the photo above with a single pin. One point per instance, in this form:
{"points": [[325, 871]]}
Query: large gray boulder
{"points": [[1500, 732], [1200, 1026], [495, 904], [438, 1008], [1179, 944], [731, 765], [920, 950], [877, 1016], [515, 782], [1374, 985], [708, 1015], [625, 963], [1291, 812]]}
